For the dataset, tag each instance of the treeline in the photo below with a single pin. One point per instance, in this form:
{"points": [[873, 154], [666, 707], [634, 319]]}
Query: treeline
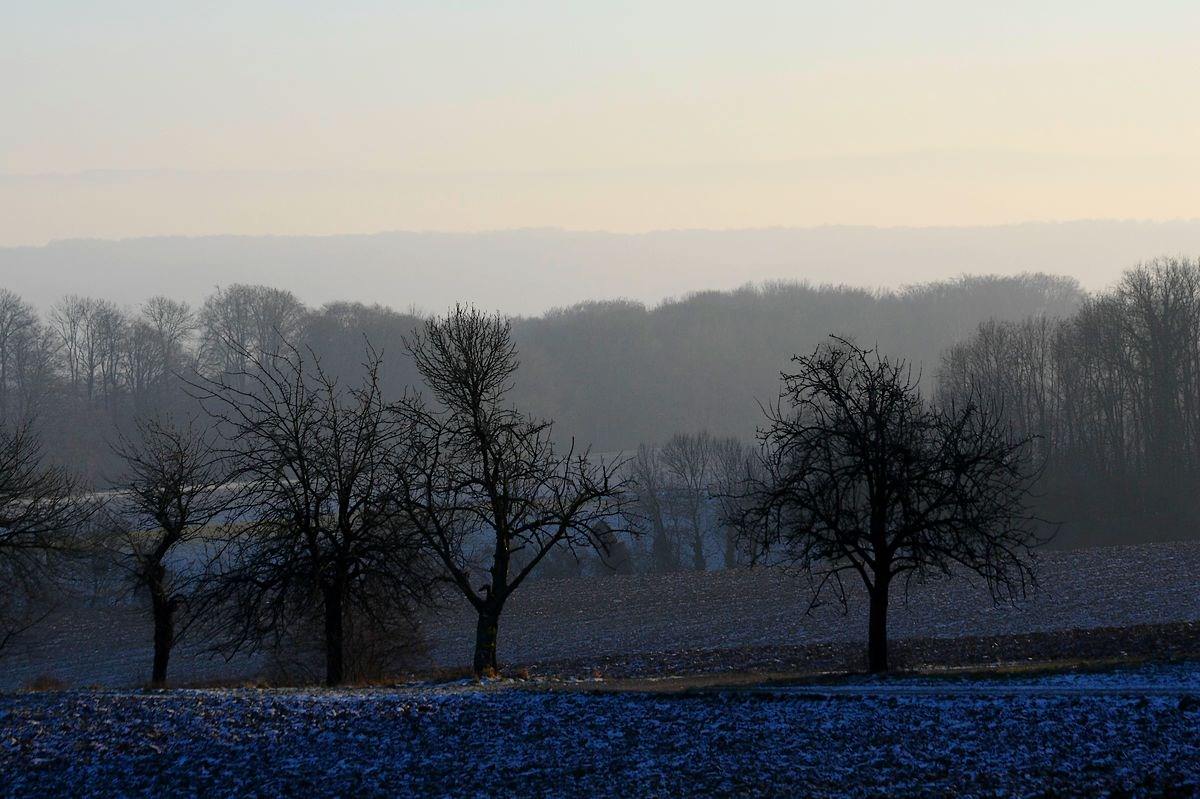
{"points": [[614, 374], [297, 504], [1113, 393]]}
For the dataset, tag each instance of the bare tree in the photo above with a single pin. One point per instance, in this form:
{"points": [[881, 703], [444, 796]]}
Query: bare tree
{"points": [[863, 477], [734, 468], [244, 325], [155, 348], [651, 508], [322, 530], [483, 483], [69, 318], [107, 329], [688, 460], [18, 321], [41, 512], [172, 495]]}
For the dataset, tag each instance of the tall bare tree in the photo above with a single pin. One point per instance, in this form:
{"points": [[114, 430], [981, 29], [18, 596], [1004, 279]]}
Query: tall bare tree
{"points": [[485, 484], [863, 477], [172, 496], [322, 530]]}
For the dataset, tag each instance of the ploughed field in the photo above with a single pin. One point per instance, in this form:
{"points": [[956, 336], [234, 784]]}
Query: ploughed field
{"points": [[1122, 733], [651, 625]]}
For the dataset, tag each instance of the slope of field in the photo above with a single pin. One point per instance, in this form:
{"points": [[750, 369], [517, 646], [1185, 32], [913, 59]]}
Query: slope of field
{"points": [[625, 616], [568, 619], [466, 740]]}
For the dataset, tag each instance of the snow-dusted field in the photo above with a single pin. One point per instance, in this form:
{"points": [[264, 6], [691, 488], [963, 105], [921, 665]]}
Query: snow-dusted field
{"points": [[501, 740], [623, 616]]}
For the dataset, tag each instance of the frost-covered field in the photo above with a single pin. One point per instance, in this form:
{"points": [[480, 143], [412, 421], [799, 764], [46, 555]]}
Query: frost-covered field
{"points": [[500, 740]]}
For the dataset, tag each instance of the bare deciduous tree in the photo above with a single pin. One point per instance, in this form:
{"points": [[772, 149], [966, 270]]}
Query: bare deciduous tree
{"points": [[651, 508], [688, 459], [864, 477], [734, 467], [483, 483], [315, 461], [243, 325], [172, 496], [16, 317]]}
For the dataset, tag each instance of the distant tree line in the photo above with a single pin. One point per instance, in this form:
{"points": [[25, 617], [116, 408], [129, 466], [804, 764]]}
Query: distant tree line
{"points": [[615, 374], [681, 491], [1112, 395]]}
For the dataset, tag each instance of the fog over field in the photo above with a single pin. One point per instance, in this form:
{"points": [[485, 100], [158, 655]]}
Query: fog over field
{"points": [[529, 271]]}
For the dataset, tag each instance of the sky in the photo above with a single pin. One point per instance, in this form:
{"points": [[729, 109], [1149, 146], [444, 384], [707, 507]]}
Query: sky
{"points": [[136, 117]]}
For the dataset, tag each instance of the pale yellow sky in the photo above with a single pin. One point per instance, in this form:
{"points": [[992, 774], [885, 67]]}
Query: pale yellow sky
{"points": [[294, 118]]}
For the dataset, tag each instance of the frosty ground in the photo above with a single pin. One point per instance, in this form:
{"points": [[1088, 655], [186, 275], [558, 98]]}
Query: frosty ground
{"points": [[1131, 732]]}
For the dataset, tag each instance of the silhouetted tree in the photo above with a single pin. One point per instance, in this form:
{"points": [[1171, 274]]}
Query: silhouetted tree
{"points": [[483, 483], [862, 476], [173, 493], [314, 460]]}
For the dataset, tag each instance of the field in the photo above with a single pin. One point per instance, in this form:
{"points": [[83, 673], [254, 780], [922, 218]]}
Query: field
{"points": [[684, 684], [651, 625], [1122, 733]]}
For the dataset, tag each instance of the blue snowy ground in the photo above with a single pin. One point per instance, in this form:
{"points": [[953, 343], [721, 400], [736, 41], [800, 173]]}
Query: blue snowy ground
{"points": [[1136, 734]]}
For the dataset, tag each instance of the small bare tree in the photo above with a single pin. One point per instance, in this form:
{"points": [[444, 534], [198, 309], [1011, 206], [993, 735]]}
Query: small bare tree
{"points": [[863, 477], [322, 529], [172, 498], [483, 483], [41, 514]]}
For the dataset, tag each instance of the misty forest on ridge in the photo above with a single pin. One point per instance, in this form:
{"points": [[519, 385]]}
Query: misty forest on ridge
{"points": [[1107, 381]]}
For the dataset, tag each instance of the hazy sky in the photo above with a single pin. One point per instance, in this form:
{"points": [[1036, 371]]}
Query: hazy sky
{"points": [[137, 117]]}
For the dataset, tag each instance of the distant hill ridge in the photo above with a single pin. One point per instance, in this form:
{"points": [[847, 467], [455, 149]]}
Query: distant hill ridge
{"points": [[531, 270]]}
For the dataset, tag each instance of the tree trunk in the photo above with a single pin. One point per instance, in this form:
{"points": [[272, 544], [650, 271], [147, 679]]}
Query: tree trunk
{"points": [[877, 655], [164, 633], [730, 549], [485, 641], [334, 637]]}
